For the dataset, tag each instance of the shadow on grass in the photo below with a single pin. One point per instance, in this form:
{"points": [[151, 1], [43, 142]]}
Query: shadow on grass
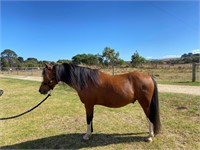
{"points": [[75, 141]]}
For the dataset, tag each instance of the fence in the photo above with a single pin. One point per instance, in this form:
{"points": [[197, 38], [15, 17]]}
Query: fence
{"points": [[172, 73], [28, 71]]}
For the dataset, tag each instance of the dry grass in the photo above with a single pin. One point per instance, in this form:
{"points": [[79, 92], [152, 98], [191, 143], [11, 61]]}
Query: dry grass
{"points": [[60, 121], [163, 73]]}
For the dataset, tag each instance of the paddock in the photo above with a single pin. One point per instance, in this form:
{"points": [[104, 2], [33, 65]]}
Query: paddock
{"points": [[55, 125]]}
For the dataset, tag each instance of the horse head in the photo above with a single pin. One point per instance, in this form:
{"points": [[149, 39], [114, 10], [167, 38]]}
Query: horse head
{"points": [[49, 79]]}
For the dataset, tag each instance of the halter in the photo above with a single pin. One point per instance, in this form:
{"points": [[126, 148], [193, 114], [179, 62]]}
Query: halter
{"points": [[51, 79], [49, 83]]}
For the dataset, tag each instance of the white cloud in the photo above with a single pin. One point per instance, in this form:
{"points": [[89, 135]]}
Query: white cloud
{"points": [[196, 51]]}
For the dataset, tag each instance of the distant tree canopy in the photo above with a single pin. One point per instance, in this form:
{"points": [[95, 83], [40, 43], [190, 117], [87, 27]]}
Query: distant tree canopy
{"points": [[184, 59], [108, 57], [136, 59], [189, 58], [111, 57], [60, 61], [31, 62], [88, 59], [9, 58]]}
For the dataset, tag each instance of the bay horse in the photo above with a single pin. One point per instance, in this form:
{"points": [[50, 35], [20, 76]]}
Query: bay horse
{"points": [[97, 88]]}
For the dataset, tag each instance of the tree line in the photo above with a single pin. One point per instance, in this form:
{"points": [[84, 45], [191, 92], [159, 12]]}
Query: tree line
{"points": [[109, 57]]}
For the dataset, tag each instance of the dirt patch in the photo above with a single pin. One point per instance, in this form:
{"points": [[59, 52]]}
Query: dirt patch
{"points": [[31, 78], [194, 90], [181, 108]]}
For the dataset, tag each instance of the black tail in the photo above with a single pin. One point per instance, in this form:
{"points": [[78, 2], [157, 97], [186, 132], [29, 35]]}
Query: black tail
{"points": [[154, 110]]}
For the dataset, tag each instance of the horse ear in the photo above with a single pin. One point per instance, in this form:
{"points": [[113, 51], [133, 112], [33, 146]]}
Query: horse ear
{"points": [[48, 66]]}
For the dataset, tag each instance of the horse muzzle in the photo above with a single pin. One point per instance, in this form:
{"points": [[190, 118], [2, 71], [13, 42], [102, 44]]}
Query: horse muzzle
{"points": [[43, 91]]}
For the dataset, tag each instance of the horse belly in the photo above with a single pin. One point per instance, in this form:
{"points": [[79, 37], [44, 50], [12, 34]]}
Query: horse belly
{"points": [[115, 100]]}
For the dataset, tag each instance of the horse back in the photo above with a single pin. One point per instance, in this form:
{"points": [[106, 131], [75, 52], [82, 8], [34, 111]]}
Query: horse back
{"points": [[116, 91]]}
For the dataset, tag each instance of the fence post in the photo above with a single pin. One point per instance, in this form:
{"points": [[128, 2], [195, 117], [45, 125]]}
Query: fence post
{"points": [[113, 70], [193, 72]]}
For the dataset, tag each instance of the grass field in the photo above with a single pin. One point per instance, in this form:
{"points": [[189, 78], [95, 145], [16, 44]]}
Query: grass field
{"points": [[60, 121]]}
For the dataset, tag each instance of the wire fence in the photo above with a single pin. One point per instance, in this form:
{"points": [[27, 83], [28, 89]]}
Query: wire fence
{"points": [[26, 71], [174, 73]]}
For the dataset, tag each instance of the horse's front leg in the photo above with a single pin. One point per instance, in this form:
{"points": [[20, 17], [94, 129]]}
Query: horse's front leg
{"points": [[89, 117]]}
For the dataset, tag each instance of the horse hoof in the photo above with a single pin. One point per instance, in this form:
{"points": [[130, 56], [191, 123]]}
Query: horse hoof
{"points": [[86, 137], [149, 139]]}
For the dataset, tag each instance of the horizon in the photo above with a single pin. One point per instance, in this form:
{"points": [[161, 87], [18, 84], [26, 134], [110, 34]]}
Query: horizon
{"points": [[51, 30], [167, 58]]}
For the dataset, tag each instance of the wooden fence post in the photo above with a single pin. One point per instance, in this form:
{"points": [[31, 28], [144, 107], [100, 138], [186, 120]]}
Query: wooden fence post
{"points": [[193, 72]]}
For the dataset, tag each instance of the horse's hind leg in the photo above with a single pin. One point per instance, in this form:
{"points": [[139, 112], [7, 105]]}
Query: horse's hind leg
{"points": [[146, 108], [151, 132], [89, 117]]}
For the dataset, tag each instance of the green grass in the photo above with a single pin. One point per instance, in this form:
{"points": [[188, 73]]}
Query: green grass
{"points": [[60, 121], [180, 83]]}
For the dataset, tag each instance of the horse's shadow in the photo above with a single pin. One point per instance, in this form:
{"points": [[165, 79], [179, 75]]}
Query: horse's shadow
{"points": [[75, 141]]}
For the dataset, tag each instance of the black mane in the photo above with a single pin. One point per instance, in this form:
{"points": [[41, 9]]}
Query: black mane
{"points": [[76, 76]]}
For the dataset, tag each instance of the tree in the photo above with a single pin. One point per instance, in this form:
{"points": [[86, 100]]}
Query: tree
{"points": [[110, 56], [136, 59], [189, 58], [31, 62], [78, 59], [87, 59], [9, 58], [32, 59], [100, 59], [121, 62], [92, 59], [20, 59], [60, 61]]}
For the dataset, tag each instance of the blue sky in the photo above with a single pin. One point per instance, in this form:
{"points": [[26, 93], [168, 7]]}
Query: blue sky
{"points": [[53, 30]]}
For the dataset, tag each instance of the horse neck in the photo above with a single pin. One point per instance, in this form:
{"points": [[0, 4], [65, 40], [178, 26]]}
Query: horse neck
{"points": [[75, 76], [63, 73]]}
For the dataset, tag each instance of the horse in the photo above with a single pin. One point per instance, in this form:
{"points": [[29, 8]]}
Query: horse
{"points": [[95, 87]]}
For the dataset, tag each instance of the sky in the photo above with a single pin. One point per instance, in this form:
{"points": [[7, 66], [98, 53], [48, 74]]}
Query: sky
{"points": [[53, 30]]}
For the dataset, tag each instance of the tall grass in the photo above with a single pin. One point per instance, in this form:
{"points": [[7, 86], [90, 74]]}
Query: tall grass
{"points": [[60, 121]]}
